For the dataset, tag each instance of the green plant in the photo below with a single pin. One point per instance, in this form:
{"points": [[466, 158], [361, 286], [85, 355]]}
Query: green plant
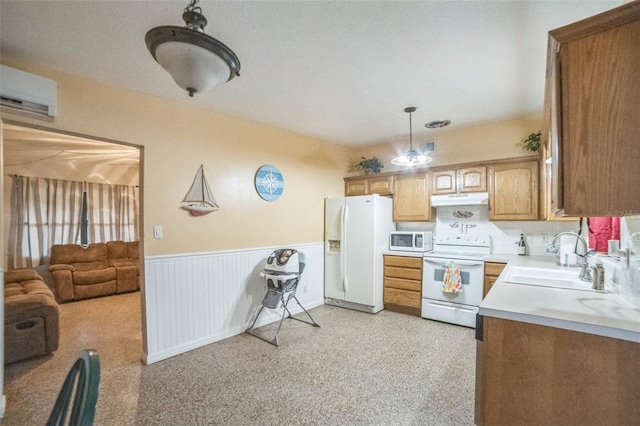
{"points": [[532, 143], [370, 164]]}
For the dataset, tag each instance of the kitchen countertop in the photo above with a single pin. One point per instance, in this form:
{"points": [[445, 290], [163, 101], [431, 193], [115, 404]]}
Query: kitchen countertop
{"points": [[604, 314]]}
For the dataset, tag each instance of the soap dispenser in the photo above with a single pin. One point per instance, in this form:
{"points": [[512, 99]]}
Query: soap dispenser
{"points": [[597, 274]]}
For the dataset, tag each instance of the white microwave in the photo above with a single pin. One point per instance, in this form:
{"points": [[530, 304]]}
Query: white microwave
{"points": [[411, 241]]}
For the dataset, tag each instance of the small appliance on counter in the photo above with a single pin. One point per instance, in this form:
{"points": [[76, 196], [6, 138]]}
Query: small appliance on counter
{"points": [[411, 241]]}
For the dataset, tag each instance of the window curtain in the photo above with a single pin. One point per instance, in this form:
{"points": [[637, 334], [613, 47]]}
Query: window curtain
{"points": [[45, 212]]}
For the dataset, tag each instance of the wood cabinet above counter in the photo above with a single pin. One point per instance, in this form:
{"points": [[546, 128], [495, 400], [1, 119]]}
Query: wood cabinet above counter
{"points": [[411, 198], [513, 186], [514, 191], [591, 124], [367, 185], [468, 179]]}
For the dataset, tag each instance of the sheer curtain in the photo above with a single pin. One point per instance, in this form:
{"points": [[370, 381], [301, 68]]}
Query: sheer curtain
{"points": [[45, 212]]}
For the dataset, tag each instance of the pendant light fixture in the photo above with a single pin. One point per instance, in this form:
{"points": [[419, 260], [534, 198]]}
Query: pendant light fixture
{"points": [[197, 62], [411, 157]]}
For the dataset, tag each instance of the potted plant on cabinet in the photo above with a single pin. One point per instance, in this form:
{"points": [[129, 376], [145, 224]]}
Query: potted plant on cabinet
{"points": [[370, 165], [532, 143]]}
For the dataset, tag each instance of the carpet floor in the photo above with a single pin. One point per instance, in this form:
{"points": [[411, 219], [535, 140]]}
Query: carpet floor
{"points": [[356, 369]]}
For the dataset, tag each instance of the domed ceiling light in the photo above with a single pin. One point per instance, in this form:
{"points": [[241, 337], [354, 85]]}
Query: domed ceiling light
{"points": [[196, 61], [411, 157]]}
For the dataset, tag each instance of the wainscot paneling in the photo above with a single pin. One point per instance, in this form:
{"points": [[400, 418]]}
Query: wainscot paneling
{"points": [[196, 299]]}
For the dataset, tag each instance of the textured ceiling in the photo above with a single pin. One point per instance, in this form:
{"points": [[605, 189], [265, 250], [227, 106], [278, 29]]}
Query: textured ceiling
{"points": [[338, 70], [33, 152]]}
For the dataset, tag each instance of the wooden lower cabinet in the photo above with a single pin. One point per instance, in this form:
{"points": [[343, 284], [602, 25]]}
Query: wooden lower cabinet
{"points": [[537, 375], [491, 272], [403, 284]]}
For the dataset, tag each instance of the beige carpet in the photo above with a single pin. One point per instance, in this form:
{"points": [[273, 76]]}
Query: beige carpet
{"points": [[356, 369]]}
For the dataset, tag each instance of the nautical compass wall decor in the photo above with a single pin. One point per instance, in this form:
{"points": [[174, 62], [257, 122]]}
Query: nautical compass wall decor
{"points": [[269, 183]]}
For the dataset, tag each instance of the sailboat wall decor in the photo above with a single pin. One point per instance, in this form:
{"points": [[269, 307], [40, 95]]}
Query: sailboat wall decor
{"points": [[200, 198]]}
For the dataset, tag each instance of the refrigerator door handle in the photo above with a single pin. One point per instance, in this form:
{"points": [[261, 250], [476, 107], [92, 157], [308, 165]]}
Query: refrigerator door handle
{"points": [[343, 247]]}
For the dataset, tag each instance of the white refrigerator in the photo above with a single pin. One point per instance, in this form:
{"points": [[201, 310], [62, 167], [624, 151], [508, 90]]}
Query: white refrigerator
{"points": [[356, 233]]}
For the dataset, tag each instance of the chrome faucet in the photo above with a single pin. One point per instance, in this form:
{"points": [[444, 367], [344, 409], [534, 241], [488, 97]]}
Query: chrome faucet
{"points": [[585, 272]]}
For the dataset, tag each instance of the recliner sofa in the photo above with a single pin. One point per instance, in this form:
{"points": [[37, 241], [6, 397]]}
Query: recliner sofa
{"points": [[31, 316], [101, 269]]}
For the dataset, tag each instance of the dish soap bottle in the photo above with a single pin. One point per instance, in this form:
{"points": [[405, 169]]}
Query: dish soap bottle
{"points": [[522, 248]]}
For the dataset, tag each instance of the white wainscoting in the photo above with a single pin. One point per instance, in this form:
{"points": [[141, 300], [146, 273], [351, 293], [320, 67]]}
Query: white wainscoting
{"points": [[196, 299]]}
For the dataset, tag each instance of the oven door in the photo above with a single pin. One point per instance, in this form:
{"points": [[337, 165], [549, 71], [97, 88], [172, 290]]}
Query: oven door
{"points": [[471, 274]]}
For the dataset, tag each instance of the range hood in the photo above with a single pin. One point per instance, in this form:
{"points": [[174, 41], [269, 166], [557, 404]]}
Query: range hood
{"points": [[470, 199]]}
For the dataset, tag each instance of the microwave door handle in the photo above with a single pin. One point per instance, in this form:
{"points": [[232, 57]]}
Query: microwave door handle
{"points": [[459, 262]]}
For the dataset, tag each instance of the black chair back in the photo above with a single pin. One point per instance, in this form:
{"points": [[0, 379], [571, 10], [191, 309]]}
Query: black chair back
{"points": [[81, 385]]}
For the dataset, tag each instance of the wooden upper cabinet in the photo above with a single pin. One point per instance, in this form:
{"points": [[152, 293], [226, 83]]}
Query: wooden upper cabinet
{"points": [[514, 191], [443, 182], [374, 184], [411, 198], [471, 179], [592, 106], [382, 185], [356, 187]]}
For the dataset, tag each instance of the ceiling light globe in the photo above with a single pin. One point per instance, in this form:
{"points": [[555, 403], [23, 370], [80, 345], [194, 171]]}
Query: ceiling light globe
{"points": [[400, 161], [192, 67], [195, 61]]}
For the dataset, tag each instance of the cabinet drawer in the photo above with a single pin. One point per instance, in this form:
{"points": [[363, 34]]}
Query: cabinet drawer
{"points": [[402, 297], [495, 269], [405, 261], [395, 272], [401, 284]]}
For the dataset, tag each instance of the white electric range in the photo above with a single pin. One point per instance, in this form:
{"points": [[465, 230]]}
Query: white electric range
{"points": [[466, 252]]}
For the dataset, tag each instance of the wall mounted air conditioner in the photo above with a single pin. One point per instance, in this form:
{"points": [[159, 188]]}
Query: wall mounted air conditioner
{"points": [[24, 93]]}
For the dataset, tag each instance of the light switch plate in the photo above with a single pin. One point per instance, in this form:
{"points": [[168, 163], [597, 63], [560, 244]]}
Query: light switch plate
{"points": [[157, 231]]}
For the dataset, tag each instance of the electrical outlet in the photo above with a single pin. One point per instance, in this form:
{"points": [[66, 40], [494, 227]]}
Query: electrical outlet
{"points": [[157, 231], [544, 238], [529, 238]]}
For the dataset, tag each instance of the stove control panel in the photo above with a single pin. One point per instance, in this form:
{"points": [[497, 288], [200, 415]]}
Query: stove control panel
{"points": [[481, 240]]}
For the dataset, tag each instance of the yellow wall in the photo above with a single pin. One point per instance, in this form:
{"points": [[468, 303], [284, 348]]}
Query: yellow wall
{"points": [[177, 138], [488, 141]]}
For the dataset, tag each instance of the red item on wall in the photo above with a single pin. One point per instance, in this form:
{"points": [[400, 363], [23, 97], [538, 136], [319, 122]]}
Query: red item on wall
{"points": [[601, 230]]}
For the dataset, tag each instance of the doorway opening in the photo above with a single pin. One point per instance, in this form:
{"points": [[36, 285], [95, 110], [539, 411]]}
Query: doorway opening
{"points": [[38, 152]]}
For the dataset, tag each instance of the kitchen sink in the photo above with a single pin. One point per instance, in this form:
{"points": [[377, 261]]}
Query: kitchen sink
{"points": [[547, 277]]}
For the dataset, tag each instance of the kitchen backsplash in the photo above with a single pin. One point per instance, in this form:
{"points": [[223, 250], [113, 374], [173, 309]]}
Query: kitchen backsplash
{"points": [[504, 235]]}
